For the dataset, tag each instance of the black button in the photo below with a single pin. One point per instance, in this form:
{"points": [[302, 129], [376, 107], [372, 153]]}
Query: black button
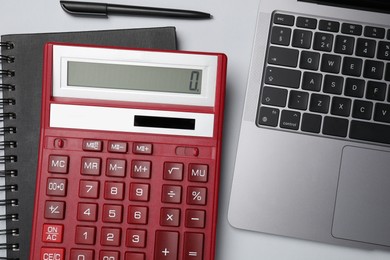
{"points": [[330, 26], [306, 22], [374, 32], [284, 19], [311, 123], [268, 116], [353, 29]]}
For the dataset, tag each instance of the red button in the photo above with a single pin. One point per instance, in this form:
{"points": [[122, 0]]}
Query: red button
{"points": [[52, 233], [114, 190], [89, 189], [111, 255], [136, 238], [141, 169], [81, 254], [58, 164], [166, 245], [137, 215], [142, 148], [117, 147], [56, 187], [110, 237], [171, 194], [196, 196], [195, 218], [139, 192], [90, 166], [134, 256], [112, 213], [52, 253], [193, 246], [85, 235], [116, 168], [170, 217], [87, 211], [173, 171], [54, 209], [92, 145], [198, 172]]}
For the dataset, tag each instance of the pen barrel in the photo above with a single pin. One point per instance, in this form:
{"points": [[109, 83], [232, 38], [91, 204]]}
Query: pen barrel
{"points": [[152, 11]]}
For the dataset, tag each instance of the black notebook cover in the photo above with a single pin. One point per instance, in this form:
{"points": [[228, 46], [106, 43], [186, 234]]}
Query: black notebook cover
{"points": [[22, 83]]}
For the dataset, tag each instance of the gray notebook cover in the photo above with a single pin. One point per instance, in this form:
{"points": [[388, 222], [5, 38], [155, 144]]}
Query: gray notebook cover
{"points": [[27, 66]]}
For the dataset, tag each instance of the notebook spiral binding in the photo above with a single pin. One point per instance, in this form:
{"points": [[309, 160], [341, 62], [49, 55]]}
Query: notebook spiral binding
{"points": [[9, 187]]}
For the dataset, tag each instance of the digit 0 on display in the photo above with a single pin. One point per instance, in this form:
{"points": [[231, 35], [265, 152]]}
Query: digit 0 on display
{"points": [[130, 152]]}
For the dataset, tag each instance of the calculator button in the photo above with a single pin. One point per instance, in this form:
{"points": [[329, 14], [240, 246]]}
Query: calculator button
{"points": [[81, 254], [116, 168], [52, 233], [111, 255], [87, 211], [52, 253], [58, 164], [173, 171], [171, 194], [117, 147], [170, 217], [141, 169], [92, 145], [56, 187], [166, 245], [89, 189], [112, 213], [134, 256], [90, 166], [142, 148], [137, 215], [195, 218], [196, 196], [198, 173], [114, 190], [85, 235], [110, 237], [54, 209], [193, 246], [136, 238], [139, 192]]}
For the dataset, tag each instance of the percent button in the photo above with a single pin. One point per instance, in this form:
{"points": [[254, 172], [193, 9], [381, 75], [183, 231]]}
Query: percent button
{"points": [[196, 195]]}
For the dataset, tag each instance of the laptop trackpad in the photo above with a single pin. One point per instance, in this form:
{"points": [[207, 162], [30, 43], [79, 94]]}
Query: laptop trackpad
{"points": [[362, 210]]}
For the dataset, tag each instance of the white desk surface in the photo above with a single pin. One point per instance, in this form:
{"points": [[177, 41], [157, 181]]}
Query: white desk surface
{"points": [[230, 31]]}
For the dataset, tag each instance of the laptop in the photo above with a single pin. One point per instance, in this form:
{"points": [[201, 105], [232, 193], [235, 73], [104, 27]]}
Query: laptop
{"points": [[313, 157]]}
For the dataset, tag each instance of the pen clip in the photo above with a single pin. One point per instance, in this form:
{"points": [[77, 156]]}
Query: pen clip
{"points": [[80, 8]]}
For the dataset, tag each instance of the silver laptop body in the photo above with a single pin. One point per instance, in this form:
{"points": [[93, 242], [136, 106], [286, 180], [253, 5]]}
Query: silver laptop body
{"points": [[329, 182]]}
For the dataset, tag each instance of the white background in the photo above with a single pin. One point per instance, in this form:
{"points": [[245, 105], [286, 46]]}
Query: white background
{"points": [[230, 31]]}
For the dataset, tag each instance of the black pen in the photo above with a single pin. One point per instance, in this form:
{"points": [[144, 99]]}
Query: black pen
{"points": [[104, 9]]}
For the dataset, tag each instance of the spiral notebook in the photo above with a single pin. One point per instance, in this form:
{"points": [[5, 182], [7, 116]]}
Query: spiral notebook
{"points": [[21, 73]]}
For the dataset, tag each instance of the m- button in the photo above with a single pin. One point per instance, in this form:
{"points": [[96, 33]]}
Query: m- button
{"points": [[58, 164]]}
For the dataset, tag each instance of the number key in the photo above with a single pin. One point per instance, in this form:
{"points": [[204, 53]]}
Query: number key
{"points": [[89, 189]]}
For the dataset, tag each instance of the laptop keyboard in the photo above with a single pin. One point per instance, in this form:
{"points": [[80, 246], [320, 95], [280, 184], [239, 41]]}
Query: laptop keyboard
{"points": [[327, 77]]}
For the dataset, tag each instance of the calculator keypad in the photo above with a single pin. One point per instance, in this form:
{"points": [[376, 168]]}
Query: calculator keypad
{"points": [[120, 200]]}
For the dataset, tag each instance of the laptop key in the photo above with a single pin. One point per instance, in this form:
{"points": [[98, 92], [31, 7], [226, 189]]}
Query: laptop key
{"points": [[298, 100], [311, 123], [282, 77], [309, 60], [284, 19], [374, 32], [353, 29], [370, 132], [274, 96], [305, 22], [365, 48], [268, 116], [302, 39], [280, 35], [330, 26], [354, 87], [330, 63], [319, 103], [335, 126], [362, 109], [352, 66], [340, 106], [283, 56], [344, 44], [376, 90], [382, 113], [290, 120], [323, 42], [383, 51], [373, 69], [311, 81]]}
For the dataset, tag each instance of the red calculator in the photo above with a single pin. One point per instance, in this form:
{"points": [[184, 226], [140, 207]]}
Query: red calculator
{"points": [[129, 156]]}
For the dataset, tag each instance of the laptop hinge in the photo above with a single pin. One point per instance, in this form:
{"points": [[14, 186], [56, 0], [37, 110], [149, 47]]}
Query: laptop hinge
{"points": [[367, 5]]}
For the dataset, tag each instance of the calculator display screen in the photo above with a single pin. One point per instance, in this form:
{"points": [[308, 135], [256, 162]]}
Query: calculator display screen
{"points": [[134, 77]]}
